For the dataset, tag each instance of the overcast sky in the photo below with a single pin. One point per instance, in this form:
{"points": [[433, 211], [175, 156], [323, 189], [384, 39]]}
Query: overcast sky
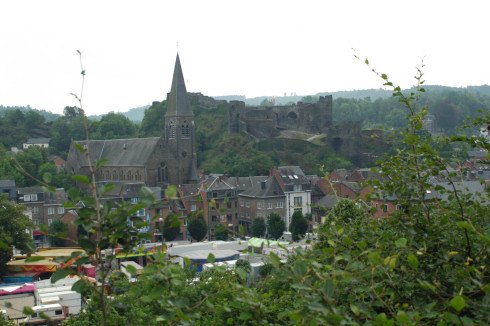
{"points": [[249, 48]]}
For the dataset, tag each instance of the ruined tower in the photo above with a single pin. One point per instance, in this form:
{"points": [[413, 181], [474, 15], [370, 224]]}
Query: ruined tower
{"points": [[180, 130]]}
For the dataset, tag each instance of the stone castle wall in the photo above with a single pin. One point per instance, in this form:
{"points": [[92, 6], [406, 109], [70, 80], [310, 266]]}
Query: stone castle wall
{"points": [[267, 122]]}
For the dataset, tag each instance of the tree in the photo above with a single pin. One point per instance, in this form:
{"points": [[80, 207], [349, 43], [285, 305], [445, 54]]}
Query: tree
{"points": [[258, 227], [115, 125], [298, 226], [346, 210], [171, 226], [275, 226], [221, 232], [57, 233], [13, 226], [153, 121], [197, 227]]}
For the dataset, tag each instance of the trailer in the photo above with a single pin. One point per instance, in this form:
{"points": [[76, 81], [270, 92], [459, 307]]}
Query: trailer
{"points": [[60, 295], [55, 313]]}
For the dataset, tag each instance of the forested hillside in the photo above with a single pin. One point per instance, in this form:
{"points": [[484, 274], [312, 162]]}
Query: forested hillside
{"points": [[217, 150]]}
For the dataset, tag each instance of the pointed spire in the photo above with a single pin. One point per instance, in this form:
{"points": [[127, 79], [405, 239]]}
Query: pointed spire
{"points": [[177, 100]]}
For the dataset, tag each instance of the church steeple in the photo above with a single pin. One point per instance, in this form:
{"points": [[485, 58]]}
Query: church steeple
{"points": [[180, 131], [177, 100]]}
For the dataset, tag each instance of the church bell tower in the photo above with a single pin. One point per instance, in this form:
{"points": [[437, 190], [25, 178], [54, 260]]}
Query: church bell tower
{"points": [[180, 131]]}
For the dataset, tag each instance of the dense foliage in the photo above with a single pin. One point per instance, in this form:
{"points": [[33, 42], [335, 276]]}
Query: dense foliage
{"points": [[258, 227], [57, 233], [275, 226], [13, 225], [171, 226], [298, 225], [197, 227]]}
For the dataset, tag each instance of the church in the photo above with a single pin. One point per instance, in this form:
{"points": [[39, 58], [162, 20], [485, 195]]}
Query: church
{"points": [[155, 161]]}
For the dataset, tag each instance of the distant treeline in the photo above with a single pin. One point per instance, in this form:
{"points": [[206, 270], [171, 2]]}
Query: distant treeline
{"points": [[219, 152]]}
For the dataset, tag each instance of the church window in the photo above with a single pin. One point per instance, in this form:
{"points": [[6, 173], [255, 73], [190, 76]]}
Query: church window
{"points": [[171, 127], [121, 175], [107, 175], [138, 176], [186, 131], [130, 176], [114, 175], [162, 173]]}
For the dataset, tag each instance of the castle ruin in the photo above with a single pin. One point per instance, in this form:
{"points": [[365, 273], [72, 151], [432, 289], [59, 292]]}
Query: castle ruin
{"points": [[269, 121]]}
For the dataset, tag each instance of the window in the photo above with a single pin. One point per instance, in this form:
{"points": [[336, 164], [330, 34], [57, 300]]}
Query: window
{"points": [[34, 197], [27, 197], [186, 131], [247, 204], [58, 312], [138, 176], [193, 207], [35, 209], [50, 210], [61, 210], [280, 204], [398, 207], [134, 200], [241, 203], [269, 205], [298, 201], [260, 205], [385, 208], [297, 187], [50, 220], [171, 132]]}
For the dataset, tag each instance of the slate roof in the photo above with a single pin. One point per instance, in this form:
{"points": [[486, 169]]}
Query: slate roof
{"points": [[466, 187], [328, 201], [189, 190], [30, 190], [267, 188], [36, 141], [177, 100], [119, 152], [7, 183], [292, 175], [354, 186], [217, 183], [244, 183]]}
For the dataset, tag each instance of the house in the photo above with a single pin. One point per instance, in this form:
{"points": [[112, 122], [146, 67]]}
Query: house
{"points": [[262, 199], [220, 204], [43, 206], [296, 188], [40, 142]]}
